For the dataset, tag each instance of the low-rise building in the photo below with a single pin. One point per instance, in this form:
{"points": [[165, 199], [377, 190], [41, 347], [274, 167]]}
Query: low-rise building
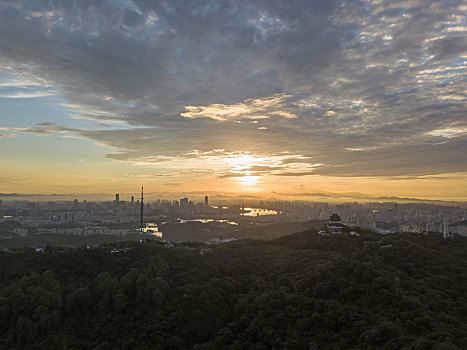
{"points": [[20, 231], [40, 248]]}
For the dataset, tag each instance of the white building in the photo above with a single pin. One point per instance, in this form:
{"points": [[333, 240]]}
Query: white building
{"points": [[21, 231]]}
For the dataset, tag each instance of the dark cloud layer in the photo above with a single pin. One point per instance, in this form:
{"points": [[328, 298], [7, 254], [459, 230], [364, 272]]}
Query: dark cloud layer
{"points": [[363, 88]]}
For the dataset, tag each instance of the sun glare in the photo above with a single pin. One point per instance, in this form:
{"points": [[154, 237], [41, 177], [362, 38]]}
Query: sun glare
{"points": [[248, 181], [244, 161], [241, 165]]}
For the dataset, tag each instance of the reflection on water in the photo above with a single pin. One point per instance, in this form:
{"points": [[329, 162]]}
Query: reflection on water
{"points": [[258, 212], [205, 221], [151, 229]]}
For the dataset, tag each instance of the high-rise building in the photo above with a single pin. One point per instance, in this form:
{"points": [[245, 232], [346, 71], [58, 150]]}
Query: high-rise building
{"points": [[184, 204], [206, 201], [117, 198], [132, 200]]}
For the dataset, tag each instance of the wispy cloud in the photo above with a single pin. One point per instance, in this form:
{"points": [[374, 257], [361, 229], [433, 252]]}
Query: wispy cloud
{"points": [[27, 94]]}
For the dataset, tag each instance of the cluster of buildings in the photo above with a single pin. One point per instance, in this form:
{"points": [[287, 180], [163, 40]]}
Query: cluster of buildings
{"points": [[84, 218], [74, 231], [382, 217]]}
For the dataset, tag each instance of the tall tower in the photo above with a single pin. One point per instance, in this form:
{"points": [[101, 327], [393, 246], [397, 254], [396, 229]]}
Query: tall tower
{"points": [[141, 211], [446, 228], [206, 201], [184, 204]]}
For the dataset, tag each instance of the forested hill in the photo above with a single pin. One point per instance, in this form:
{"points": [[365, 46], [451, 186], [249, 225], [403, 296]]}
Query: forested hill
{"points": [[302, 291]]}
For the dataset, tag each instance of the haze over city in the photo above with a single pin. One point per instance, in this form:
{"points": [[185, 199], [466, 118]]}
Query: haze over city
{"points": [[270, 99]]}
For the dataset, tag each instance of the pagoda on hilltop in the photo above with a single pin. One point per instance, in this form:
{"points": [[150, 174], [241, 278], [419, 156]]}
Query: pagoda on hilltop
{"points": [[335, 226]]}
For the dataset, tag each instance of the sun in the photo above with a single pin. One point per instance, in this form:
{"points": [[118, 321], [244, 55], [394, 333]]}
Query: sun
{"points": [[242, 167], [248, 181]]}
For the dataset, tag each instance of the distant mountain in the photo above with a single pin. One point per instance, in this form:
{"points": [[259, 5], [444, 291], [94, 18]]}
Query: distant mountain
{"points": [[33, 195], [9, 195], [54, 196], [405, 199], [223, 196], [313, 194]]}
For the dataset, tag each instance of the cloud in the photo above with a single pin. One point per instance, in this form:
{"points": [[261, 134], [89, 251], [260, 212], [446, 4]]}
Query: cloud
{"points": [[449, 132], [25, 94], [304, 173], [259, 108], [46, 128], [361, 88]]}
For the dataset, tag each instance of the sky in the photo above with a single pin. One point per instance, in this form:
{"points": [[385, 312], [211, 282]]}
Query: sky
{"points": [[269, 99]]}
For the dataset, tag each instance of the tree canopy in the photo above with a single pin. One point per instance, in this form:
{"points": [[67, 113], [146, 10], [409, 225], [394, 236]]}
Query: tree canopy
{"points": [[304, 291]]}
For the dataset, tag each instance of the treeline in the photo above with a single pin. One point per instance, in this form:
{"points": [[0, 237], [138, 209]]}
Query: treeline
{"points": [[302, 291]]}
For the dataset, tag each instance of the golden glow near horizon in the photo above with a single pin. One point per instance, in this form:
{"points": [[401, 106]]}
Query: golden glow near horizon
{"points": [[239, 174]]}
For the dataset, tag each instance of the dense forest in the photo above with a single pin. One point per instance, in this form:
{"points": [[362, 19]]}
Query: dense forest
{"points": [[304, 291]]}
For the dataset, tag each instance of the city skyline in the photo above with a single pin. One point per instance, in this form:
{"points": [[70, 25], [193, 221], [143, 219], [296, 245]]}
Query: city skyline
{"points": [[84, 217], [343, 100]]}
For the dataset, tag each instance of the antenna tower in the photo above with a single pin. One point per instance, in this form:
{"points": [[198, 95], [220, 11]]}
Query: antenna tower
{"points": [[141, 221]]}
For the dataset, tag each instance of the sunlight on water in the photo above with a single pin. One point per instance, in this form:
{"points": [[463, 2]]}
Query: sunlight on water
{"points": [[258, 212]]}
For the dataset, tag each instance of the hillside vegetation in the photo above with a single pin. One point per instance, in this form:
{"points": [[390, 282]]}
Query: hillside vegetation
{"points": [[302, 291]]}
